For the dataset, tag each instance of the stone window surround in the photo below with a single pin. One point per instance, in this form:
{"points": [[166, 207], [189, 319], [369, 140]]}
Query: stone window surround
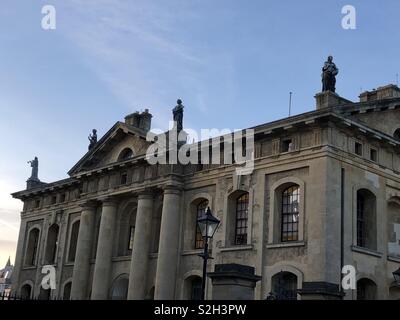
{"points": [[31, 284], [229, 219], [270, 271], [189, 224], [26, 266], [71, 224], [374, 191], [274, 212], [46, 244]]}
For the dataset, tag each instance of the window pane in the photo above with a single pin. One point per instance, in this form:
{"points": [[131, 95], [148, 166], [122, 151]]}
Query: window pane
{"points": [[201, 209], [242, 204], [290, 214]]}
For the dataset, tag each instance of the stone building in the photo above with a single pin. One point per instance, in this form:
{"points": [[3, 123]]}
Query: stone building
{"points": [[324, 193], [5, 278]]}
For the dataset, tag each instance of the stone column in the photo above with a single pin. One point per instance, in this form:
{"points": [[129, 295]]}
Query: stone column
{"points": [[169, 245], [80, 276], [102, 267], [141, 247], [19, 258]]}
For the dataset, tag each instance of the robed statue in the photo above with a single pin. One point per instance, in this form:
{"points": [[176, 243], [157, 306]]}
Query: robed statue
{"points": [[92, 139], [35, 169], [329, 72], [178, 115]]}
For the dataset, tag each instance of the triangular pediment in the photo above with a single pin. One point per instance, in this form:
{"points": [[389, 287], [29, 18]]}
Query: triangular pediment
{"points": [[108, 149]]}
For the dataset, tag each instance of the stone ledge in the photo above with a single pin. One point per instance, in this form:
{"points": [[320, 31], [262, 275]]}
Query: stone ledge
{"points": [[394, 258], [153, 255], [367, 251], [285, 245], [192, 252], [29, 268], [236, 248], [121, 258]]}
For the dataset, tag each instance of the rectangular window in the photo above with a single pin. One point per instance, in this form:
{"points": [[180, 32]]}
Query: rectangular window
{"points": [[124, 178], [131, 237], [53, 199], [62, 197], [373, 155], [290, 214], [358, 148], [242, 205], [286, 145], [37, 203]]}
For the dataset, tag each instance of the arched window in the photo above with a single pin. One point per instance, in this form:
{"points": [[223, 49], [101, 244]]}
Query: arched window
{"points": [[156, 227], [396, 134], [125, 154], [52, 243], [284, 286], [393, 227], [26, 291], [67, 291], [119, 289], [195, 288], [394, 293], [200, 210], [32, 247], [73, 242], [242, 210], [366, 219], [290, 214], [127, 230], [366, 289]]}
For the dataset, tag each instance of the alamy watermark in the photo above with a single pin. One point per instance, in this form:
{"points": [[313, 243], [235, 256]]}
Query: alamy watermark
{"points": [[216, 147], [349, 21], [49, 19], [49, 280]]}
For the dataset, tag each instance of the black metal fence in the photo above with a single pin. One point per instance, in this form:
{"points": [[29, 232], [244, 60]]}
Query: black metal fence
{"points": [[9, 296]]}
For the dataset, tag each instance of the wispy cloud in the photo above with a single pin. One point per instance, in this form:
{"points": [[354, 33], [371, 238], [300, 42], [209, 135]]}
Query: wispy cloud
{"points": [[128, 44]]}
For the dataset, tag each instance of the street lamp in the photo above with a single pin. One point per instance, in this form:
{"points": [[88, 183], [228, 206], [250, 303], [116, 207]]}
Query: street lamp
{"points": [[208, 224], [396, 275]]}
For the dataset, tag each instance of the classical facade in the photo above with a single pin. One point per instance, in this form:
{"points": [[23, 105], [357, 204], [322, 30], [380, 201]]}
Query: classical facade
{"points": [[324, 193]]}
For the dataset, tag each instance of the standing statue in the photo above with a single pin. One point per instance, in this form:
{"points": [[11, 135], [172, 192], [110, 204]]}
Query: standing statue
{"points": [[329, 72], [178, 115], [92, 138], [35, 169]]}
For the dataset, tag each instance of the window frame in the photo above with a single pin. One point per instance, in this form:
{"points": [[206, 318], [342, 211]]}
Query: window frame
{"points": [[131, 237], [241, 219], [201, 208], [275, 190], [284, 236]]}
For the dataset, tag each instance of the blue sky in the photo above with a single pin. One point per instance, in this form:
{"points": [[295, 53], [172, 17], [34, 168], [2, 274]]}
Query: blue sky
{"points": [[233, 64]]}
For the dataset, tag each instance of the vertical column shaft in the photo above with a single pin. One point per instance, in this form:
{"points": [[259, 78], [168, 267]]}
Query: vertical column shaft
{"points": [[102, 268], [169, 245], [141, 247], [80, 282]]}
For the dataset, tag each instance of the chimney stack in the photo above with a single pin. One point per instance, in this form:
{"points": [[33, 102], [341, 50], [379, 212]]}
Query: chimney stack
{"points": [[140, 120]]}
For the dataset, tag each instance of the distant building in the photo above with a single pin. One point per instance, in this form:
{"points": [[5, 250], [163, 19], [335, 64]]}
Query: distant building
{"points": [[324, 193], [5, 278]]}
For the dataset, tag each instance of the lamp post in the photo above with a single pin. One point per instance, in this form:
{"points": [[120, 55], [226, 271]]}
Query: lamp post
{"points": [[208, 224], [396, 275]]}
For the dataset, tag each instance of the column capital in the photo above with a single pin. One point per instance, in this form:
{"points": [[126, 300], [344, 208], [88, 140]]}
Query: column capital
{"points": [[89, 204], [146, 194], [109, 201], [172, 188]]}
